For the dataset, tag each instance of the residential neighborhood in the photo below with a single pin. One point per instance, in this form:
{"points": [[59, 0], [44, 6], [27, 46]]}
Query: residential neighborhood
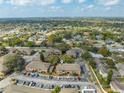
{"points": [[62, 56]]}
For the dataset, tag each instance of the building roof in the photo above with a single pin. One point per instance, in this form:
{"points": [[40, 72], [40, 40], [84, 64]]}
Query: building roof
{"points": [[68, 67], [38, 65], [96, 55], [24, 50], [74, 52], [120, 67], [117, 86], [23, 89]]}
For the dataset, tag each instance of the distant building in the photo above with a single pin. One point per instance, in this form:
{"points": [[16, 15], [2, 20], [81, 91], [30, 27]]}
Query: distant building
{"points": [[21, 50], [117, 86], [50, 51], [102, 67], [103, 71], [75, 52], [120, 67], [96, 55]]}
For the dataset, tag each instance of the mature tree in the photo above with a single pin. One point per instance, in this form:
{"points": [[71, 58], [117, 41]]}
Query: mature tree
{"points": [[56, 90], [54, 38], [41, 56], [30, 44], [63, 47], [104, 51], [53, 59], [110, 63], [92, 63], [14, 62], [3, 50], [86, 56], [67, 59], [109, 77], [67, 34]]}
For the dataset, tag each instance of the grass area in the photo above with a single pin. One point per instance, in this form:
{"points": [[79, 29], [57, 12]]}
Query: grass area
{"points": [[102, 80]]}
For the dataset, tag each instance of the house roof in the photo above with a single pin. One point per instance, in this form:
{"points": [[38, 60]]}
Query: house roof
{"points": [[23, 89], [120, 67], [52, 50], [24, 50], [117, 86], [74, 52], [39, 65], [68, 67]]}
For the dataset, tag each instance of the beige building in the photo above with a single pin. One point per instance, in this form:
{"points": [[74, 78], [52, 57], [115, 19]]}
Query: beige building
{"points": [[68, 69], [38, 66]]}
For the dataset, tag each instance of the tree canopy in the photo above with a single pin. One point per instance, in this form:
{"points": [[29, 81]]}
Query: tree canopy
{"points": [[14, 62], [104, 51], [56, 90], [53, 59], [67, 59], [63, 47], [109, 77]]}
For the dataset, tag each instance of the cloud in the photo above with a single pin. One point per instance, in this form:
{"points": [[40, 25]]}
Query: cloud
{"points": [[31, 2], [46, 2], [90, 6], [81, 1], [109, 2], [69, 1], [66, 1], [20, 2]]}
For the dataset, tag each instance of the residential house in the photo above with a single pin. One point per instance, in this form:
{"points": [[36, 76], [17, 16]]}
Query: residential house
{"points": [[120, 67], [102, 68], [21, 50], [75, 52], [94, 55], [116, 86], [50, 51]]}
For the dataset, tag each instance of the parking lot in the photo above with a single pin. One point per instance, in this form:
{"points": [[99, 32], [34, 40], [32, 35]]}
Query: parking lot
{"points": [[48, 84], [45, 85], [57, 78]]}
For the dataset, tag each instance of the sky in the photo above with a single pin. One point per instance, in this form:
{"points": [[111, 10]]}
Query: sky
{"points": [[61, 8]]}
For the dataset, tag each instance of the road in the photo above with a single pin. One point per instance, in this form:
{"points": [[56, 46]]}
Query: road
{"points": [[93, 78]]}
